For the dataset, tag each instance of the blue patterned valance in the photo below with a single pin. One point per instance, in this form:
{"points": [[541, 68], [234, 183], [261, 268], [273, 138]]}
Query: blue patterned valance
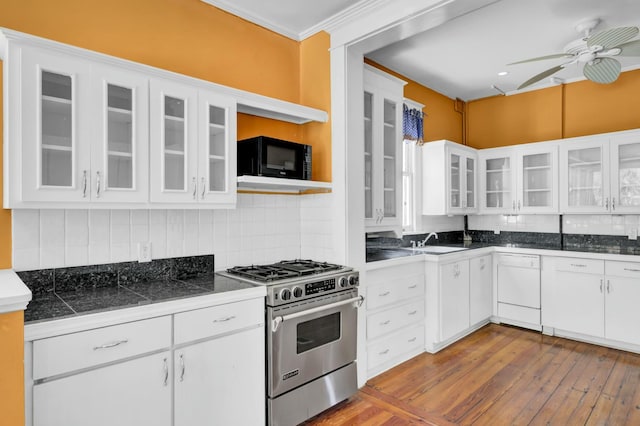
{"points": [[412, 124]]}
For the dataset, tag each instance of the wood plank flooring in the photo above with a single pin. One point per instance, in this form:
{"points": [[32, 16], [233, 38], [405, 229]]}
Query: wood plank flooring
{"points": [[501, 375]]}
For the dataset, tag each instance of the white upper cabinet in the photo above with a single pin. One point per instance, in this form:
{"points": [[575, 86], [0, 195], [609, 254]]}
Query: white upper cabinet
{"points": [[382, 150], [601, 174], [449, 178], [86, 130], [519, 180]]}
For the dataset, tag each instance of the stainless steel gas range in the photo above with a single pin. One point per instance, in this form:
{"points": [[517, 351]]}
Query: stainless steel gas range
{"points": [[311, 317]]}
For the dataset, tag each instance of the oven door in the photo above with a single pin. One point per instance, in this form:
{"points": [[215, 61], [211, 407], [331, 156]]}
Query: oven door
{"points": [[310, 339]]}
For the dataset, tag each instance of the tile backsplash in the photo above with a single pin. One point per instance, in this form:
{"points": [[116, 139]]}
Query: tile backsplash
{"points": [[263, 228]]}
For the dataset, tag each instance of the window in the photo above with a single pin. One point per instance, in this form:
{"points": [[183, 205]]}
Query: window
{"points": [[408, 186]]}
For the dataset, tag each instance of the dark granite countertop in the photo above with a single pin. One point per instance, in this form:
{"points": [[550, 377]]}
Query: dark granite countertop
{"points": [[69, 292], [375, 254], [48, 306]]}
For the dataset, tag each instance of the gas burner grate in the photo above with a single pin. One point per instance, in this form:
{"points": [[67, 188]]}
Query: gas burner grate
{"points": [[283, 270]]}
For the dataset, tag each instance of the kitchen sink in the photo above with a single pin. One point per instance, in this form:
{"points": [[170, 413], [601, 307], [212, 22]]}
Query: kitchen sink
{"points": [[437, 249]]}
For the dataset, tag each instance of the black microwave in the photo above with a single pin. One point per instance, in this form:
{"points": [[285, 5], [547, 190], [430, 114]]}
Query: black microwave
{"points": [[265, 156]]}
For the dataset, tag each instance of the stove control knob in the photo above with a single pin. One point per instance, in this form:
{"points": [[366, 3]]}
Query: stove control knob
{"points": [[297, 292], [353, 280], [343, 282], [285, 294]]}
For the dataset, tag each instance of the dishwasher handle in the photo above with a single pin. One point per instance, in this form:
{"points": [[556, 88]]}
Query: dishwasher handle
{"points": [[519, 260]]}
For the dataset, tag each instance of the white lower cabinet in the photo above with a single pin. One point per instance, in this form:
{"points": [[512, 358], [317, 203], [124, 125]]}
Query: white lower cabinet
{"points": [[395, 315], [596, 298], [131, 393], [208, 364], [221, 381], [459, 299]]}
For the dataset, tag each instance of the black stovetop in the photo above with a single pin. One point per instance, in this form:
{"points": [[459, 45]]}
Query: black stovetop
{"points": [[283, 270]]}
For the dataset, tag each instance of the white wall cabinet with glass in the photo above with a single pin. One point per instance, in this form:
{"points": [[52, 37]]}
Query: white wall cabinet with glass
{"points": [[449, 178], [383, 97], [82, 135], [191, 149], [519, 180], [601, 174]]}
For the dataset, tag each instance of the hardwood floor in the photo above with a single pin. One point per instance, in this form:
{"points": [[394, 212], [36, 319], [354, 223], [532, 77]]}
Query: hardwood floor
{"points": [[501, 375]]}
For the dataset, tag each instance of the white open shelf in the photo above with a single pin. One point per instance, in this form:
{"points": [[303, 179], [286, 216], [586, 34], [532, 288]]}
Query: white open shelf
{"points": [[271, 184]]}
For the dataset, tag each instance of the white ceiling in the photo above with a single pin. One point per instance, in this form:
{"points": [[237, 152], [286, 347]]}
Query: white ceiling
{"points": [[462, 58]]}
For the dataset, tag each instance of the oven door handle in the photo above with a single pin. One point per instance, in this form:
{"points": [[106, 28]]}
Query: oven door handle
{"points": [[275, 323]]}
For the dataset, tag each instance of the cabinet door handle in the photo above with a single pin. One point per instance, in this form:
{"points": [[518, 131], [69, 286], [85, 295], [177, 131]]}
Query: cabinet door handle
{"points": [[578, 265], [386, 351], [386, 293], [518, 205], [182, 367], [613, 203], [195, 188], [601, 282], [166, 372], [413, 339], [513, 204], [411, 287], [97, 184], [385, 322], [413, 312], [606, 203], [111, 344], [225, 319], [608, 286], [204, 187], [84, 184], [632, 270]]}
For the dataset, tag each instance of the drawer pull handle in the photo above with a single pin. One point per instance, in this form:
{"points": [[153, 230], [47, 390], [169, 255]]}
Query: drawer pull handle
{"points": [[601, 282], [111, 345], [413, 312], [386, 293], [632, 270], [182, 368], [411, 287], [225, 319], [166, 372], [413, 339], [578, 265], [386, 322], [386, 351]]}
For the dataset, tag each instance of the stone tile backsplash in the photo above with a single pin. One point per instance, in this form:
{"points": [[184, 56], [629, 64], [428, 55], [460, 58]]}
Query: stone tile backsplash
{"points": [[263, 228]]}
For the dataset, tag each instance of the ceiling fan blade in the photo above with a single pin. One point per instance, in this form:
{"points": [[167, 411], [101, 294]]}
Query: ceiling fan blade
{"points": [[604, 70], [542, 58], [613, 37], [540, 76], [631, 48]]}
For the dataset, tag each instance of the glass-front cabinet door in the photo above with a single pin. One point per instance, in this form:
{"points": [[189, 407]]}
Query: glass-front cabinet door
{"points": [[461, 183], [537, 179], [625, 174], [119, 164], [498, 181], [391, 157], [470, 202], [455, 179], [584, 179], [56, 129], [368, 156], [173, 142], [216, 148]]}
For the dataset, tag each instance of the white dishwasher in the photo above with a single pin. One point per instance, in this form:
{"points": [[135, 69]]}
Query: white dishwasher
{"points": [[519, 289]]}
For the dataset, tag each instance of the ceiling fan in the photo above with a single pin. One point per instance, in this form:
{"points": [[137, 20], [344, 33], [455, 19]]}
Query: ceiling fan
{"points": [[594, 51]]}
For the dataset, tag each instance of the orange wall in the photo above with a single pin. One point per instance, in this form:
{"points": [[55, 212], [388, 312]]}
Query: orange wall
{"points": [[574, 109], [441, 121], [12, 372]]}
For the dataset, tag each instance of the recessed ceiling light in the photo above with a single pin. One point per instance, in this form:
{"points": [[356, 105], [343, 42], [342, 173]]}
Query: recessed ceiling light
{"points": [[502, 73]]}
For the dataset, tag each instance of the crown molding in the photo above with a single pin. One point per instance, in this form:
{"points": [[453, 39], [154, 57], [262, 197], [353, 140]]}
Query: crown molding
{"points": [[251, 17], [355, 11]]}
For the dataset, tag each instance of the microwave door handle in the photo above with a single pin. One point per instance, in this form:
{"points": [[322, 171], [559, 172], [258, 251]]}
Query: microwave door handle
{"points": [[275, 323]]}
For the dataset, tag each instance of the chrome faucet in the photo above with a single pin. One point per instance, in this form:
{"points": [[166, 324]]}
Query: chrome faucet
{"points": [[424, 242]]}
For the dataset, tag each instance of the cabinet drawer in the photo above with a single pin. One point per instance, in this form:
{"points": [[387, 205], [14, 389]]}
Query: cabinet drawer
{"points": [[623, 269], [584, 266], [394, 319], [393, 346], [394, 290], [208, 322], [394, 273], [62, 354]]}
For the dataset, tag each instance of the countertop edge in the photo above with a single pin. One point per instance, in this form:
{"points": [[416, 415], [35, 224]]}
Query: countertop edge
{"points": [[478, 251], [56, 327], [14, 294]]}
